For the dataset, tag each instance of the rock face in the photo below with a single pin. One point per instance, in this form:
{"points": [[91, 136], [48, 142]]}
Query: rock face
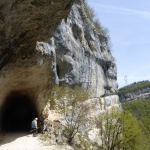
{"points": [[81, 57], [82, 54], [75, 54], [141, 93], [25, 73], [23, 22]]}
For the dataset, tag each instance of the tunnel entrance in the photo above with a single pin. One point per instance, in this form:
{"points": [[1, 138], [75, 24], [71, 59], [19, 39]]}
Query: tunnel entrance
{"points": [[18, 111]]}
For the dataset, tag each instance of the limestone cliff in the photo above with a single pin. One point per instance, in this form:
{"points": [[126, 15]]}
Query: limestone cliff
{"points": [[75, 54], [82, 55]]}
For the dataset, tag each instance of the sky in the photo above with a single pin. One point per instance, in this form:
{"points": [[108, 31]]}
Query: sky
{"points": [[128, 22]]}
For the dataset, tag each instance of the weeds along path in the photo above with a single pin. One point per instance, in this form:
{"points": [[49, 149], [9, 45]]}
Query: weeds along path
{"points": [[24, 141]]}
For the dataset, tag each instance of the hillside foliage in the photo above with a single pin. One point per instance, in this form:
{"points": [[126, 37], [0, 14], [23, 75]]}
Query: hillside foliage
{"points": [[119, 130], [141, 110], [134, 86]]}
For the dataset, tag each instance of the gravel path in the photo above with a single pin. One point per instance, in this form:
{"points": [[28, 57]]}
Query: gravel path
{"points": [[24, 141], [19, 141]]}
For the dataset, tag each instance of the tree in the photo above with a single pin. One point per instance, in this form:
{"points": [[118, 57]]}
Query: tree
{"points": [[71, 104], [119, 130], [141, 110]]}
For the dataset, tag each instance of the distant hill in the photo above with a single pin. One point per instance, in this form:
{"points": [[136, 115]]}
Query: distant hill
{"points": [[135, 90]]}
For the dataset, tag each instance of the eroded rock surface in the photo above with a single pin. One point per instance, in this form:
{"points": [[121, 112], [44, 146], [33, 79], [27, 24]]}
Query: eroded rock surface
{"points": [[82, 54], [82, 57], [23, 70], [23, 22]]}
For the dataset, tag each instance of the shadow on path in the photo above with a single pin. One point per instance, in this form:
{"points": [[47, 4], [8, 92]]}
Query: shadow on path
{"points": [[8, 137]]}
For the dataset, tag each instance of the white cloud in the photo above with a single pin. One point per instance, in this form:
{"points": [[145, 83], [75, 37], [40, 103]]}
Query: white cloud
{"points": [[125, 11], [128, 43]]}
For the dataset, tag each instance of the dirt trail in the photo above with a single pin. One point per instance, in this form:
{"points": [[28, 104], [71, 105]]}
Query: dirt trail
{"points": [[19, 141], [24, 141]]}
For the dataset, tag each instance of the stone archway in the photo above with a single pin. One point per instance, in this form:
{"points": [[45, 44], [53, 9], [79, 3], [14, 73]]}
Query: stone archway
{"points": [[18, 110]]}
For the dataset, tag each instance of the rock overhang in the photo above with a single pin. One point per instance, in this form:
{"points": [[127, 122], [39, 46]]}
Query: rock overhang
{"points": [[22, 69], [22, 23]]}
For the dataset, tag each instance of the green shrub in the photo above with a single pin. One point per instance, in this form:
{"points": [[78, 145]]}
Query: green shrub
{"points": [[119, 130], [84, 143], [70, 103], [90, 13]]}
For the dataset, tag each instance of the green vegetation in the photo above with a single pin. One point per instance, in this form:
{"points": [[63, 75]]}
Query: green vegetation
{"points": [[70, 103], [141, 110], [119, 130], [90, 13], [124, 130], [134, 86], [83, 142]]}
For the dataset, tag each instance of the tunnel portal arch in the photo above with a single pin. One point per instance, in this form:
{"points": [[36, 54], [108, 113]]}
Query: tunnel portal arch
{"points": [[18, 110]]}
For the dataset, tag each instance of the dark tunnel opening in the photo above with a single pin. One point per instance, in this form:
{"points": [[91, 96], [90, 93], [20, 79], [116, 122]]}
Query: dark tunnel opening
{"points": [[17, 113]]}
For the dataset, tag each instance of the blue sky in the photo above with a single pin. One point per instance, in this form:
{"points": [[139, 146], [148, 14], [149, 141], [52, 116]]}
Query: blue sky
{"points": [[128, 22]]}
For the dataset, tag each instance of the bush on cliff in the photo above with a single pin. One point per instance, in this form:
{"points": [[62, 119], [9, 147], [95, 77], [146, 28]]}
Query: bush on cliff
{"points": [[90, 13], [70, 103]]}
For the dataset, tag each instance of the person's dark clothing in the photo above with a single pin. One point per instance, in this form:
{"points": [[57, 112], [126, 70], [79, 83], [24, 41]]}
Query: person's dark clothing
{"points": [[42, 125]]}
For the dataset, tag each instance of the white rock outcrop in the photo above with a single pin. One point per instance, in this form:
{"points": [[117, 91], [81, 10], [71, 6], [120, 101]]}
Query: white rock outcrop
{"points": [[81, 54]]}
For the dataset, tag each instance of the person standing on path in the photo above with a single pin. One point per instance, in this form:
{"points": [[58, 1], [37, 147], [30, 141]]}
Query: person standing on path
{"points": [[42, 125], [34, 127]]}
